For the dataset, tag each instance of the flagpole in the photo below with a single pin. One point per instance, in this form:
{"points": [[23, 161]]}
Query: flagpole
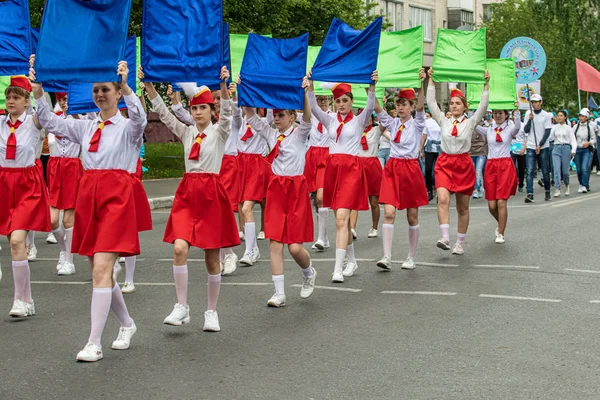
{"points": [[579, 96]]}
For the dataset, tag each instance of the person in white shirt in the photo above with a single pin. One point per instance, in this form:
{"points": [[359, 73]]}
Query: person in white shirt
{"points": [[23, 195], [431, 147], [201, 215], [105, 215], [563, 151], [288, 212], [454, 170], [585, 136], [500, 178], [403, 186], [345, 184]]}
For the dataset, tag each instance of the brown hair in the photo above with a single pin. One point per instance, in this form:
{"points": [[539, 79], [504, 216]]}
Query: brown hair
{"points": [[19, 91], [463, 100], [410, 101]]}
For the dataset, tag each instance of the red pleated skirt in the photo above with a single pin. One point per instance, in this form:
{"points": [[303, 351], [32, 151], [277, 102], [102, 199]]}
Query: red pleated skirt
{"points": [[288, 214], [403, 185], [139, 171], [345, 183], [105, 214], [373, 172], [251, 169], [500, 179], [455, 172], [63, 176], [230, 179], [142, 207], [314, 168], [268, 174], [202, 214], [23, 200]]}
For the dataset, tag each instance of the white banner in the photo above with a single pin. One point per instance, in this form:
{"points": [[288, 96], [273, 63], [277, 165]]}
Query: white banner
{"points": [[534, 88]]}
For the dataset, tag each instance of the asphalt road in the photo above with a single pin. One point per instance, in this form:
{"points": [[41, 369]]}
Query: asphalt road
{"points": [[512, 321]]}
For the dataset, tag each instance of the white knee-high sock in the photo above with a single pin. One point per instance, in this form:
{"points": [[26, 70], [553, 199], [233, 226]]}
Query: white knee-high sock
{"points": [[19, 269], [214, 287], [68, 243], [180, 275], [388, 239], [340, 254], [130, 268], [278, 282], [59, 234], [117, 305], [322, 218], [350, 253], [413, 240], [250, 230], [445, 228], [101, 299]]}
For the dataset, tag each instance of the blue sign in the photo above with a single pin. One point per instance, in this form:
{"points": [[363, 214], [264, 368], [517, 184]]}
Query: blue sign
{"points": [[529, 56]]}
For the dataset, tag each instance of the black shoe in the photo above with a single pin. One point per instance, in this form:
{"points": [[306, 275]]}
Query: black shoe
{"points": [[548, 197], [521, 190], [588, 188], [529, 198], [541, 183], [429, 195]]}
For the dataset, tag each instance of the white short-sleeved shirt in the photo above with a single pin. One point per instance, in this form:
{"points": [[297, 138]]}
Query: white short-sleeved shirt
{"points": [[29, 142], [410, 138], [500, 149], [541, 122]]}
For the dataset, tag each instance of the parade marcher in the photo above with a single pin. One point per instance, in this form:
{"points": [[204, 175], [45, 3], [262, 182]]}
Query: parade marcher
{"points": [[518, 158], [585, 135], [23, 195], [454, 170], [403, 186], [431, 147], [478, 153], [565, 146]]}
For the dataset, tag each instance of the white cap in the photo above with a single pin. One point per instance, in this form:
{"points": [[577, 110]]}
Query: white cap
{"points": [[585, 112], [536, 97]]}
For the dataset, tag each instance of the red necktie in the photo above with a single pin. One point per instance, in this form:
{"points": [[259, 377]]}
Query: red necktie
{"points": [[275, 151], [342, 122], [195, 152], [95, 142], [455, 129], [11, 143], [248, 133], [498, 137], [320, 127], [399, 134], [363, 139]]}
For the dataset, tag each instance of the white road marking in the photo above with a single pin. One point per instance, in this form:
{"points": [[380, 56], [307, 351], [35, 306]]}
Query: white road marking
{"points": [[505, 266], [576, 200], [285, 259], [497, 296], [582, 270], [595, 301], [339, 289], [246, 283], [59, 283], [436, 264], [419, 292]]}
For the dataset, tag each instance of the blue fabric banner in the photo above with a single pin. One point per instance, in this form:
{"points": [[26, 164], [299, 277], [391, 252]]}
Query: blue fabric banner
{"points": [[348, 55], [80, 93], [182, 41], [15, 37], [82, 41], [48, 86], [272, 72], [226, 57]]}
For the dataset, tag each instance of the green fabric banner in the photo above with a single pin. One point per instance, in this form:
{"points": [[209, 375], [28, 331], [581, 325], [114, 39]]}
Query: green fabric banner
{"points": [[4, 82], [313, 52], [502, 85], [460, 56], [237, 46], [138, 57], [401, 58], [360, 95]]}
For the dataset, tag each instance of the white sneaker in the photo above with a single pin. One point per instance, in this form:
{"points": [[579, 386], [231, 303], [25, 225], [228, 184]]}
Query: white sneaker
{"points": [[277, 300], [584, 189], [211, 321], [308, 285], [372, 233], [443, 244], [338, 277], [261, 235], [90, 353], [567, 190], [580, 190], [458, 249], [354, 235], [496, 232], [229, 264], [242, 236], [124, 337], [250, 258], [221, 267], [500, 239], [349, 269], [51, 239], [557, 193], [128, 288], [31, 252], [179, 316], [319, 245], [19, 309], [122, 260], [66, 269], [385, 263], [409, 263], [62, 257], [598, 173]]}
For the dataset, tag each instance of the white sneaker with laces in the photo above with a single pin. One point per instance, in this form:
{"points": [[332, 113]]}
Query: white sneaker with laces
{"points": [[580, 190], [349, 269], [319, 245], [584, 189], [458, 249], [372, 233], [409, 263], [385, 263], [443, 244], [557, 193], [211, 321], [277, 300], [128, 287], [122, 260], [19, 309], [66, 269], [261, 235], [242, 236], [338, 277], [30, 309], [31, 252], [354, 234], [51, 239], [500, 239], [308, 285], [250, 258], [124, 337], [229, 264], [179, 316], [567, 190], [598, 173], [62, 257], [90, 353]]}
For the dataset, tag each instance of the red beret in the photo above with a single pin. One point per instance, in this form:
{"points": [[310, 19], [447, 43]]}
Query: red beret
{"points": [[407, 94], [61, 95], [457, 93], [21, 81], [341, 89], [203, 96]]}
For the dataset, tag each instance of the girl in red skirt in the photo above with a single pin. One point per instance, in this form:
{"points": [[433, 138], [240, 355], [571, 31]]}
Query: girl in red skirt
{"points": [[64, 172], [23, 196], [500, 178], [201, 215], [454, 170], [105, 214], [345, 186], [403, 186], [288, 215]]}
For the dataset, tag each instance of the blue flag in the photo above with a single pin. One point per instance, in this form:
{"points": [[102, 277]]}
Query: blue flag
{"points": [[226, 57], [348, 55], [82, 41], [15, 37], [182, 41], [592, 103], [80, 93], [51, 87], [272, 72]]}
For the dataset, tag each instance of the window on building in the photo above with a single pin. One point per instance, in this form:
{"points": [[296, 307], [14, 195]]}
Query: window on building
{"points": [[487, 12], [467, 18], [393, 12], [420, 16]]}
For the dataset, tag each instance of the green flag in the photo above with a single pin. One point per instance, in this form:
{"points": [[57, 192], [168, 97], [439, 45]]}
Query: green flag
{"points": [[138, 57], [313, 52], [237, 46], [4, 82], [502, 85], [401, 58], [360, 95], [459, 56]]}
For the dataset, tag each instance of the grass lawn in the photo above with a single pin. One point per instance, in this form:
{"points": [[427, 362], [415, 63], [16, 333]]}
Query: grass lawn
{"points": [[164, 160]]}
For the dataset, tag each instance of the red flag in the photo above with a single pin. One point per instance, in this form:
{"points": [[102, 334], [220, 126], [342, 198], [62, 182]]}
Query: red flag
{"points": [[588, 78]]}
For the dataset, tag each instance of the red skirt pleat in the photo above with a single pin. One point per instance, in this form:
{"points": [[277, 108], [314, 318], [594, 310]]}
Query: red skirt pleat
{"points": [[455, 172], [403, 185], [345, 183], [500, 179], [63, 176]]}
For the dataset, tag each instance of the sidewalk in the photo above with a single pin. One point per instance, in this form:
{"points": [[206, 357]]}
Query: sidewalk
{"points": [[161, 192]]}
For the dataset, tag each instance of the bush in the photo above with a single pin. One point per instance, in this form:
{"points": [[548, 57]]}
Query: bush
{"points": [[164, 160]]}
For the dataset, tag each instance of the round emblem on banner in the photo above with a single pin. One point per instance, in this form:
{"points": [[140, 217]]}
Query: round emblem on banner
{"points": [[529, 56]]}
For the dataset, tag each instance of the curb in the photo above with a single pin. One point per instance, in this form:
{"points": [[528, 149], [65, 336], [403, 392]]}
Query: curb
{"points": [[161, 202]]}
